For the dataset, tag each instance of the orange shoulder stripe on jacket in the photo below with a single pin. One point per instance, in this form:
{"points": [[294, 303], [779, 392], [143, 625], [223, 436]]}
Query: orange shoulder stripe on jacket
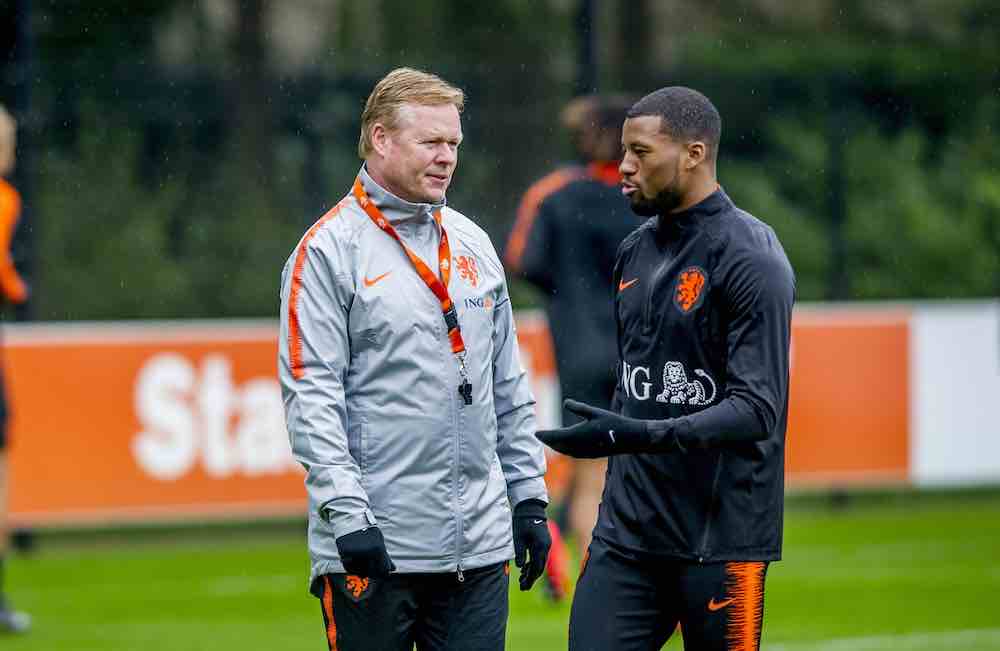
{"points": [[294, 330], [10, 204], [528, 209], [11, 284]]}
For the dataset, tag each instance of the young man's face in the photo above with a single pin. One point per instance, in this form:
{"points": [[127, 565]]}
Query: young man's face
{"points": [[652, 167], [421, 153]]}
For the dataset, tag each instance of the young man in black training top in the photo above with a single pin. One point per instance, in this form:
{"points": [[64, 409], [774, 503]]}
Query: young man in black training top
{"points": [[692, 509]]}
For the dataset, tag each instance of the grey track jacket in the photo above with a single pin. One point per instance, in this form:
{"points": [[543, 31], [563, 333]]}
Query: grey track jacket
{"points": [[369, 385]]}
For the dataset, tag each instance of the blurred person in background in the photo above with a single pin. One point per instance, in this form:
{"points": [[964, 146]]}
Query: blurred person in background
{"points": [[568, 228], [692, 510], [404, 395], [14, 291]]}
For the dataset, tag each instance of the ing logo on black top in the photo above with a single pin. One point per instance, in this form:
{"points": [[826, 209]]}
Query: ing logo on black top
{"points": [[678, 388], [690, 289]]}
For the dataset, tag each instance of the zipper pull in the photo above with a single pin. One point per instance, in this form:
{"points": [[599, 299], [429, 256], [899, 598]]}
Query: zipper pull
{"points": [[461, 577]]}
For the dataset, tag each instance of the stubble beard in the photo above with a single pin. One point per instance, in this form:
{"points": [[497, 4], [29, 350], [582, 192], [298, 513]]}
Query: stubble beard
{"points": [[664, 203]]}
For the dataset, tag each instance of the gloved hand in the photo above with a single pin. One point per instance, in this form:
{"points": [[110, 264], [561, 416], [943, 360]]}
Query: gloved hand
{"points": [[602, 434], [363, 554], [531, 541]]}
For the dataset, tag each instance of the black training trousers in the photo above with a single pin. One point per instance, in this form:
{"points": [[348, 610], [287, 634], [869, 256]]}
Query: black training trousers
{"points": [[627, 605], [434, 611]]}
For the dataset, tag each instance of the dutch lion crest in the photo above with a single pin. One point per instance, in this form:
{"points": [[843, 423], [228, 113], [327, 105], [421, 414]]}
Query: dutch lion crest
{"points": [[467, 269], [690, 289], [356, 587], [679, 390]]}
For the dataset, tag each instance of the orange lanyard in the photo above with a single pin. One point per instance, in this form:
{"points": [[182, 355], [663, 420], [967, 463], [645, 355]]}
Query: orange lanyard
{"points": [[439, 287]]}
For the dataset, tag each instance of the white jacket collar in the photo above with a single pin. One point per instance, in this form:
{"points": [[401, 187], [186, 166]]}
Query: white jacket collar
{"points": [[394, 208]]}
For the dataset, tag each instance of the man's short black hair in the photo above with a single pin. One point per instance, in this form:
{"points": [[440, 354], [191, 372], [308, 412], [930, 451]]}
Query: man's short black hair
{"points": [[686, 114]]}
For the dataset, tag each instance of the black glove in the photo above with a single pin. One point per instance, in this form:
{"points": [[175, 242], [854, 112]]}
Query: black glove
{"points": [[605, 433], [363, 554], [531, 541]]}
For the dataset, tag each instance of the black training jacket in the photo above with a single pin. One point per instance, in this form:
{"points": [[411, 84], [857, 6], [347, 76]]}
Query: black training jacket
{"points": [[703, 305], [570, 225]]}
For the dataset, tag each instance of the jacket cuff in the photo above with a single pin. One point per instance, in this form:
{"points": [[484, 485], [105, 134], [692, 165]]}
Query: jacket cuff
{"points": [[345, 523], [669, 435], [531, 488], [530, 509]]}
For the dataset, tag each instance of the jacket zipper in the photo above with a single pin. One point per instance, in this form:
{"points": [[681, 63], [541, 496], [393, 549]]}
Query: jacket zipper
{"points": [[703, 551], [456, 449]]}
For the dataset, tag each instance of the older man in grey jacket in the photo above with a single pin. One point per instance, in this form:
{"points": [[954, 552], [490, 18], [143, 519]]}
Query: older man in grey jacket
{"points": [[405, 398]]}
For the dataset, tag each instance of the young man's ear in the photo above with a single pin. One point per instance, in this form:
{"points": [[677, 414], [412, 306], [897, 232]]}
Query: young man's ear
{"points": [[696, 152]]}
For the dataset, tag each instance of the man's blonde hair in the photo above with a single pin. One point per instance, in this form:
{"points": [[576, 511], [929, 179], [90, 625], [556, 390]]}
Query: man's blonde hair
{"points": [[399, 87]]}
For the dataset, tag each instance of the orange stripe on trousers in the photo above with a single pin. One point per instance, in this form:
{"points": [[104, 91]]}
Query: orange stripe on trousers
{"points": [[331, 625], [745, 586]]}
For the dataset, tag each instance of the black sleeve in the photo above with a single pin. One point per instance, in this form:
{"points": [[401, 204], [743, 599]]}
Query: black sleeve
{"points": [[759, 290], [536, 264]]}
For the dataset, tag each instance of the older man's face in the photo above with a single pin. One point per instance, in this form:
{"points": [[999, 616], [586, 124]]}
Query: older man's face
{"points": [[422, 152]]}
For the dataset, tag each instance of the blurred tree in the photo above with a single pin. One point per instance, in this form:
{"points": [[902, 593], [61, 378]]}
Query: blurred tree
{"points": [[804, 87], [631, 47], [182, 147], [252, 90], [105, 257], [516, 61]]}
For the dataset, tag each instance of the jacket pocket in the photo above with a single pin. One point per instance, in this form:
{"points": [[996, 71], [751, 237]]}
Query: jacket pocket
{"points": [[370, 469], [356, 446], [487, 513], [736, 514]]}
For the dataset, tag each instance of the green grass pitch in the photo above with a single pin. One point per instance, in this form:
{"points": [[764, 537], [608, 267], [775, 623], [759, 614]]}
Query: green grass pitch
{"points": [[900, 573]]}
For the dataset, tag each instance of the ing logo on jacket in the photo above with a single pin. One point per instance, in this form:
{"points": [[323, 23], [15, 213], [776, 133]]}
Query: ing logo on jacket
{"points": [[481, 302], [678, 389]]}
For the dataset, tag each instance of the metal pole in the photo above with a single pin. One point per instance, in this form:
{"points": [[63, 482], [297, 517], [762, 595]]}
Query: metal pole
{"points": [[25, 236], [586, 80]]}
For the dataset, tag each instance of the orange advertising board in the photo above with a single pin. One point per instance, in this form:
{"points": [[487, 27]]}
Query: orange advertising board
{"points": [[848, 416], [160, 421], [167, 421]]}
